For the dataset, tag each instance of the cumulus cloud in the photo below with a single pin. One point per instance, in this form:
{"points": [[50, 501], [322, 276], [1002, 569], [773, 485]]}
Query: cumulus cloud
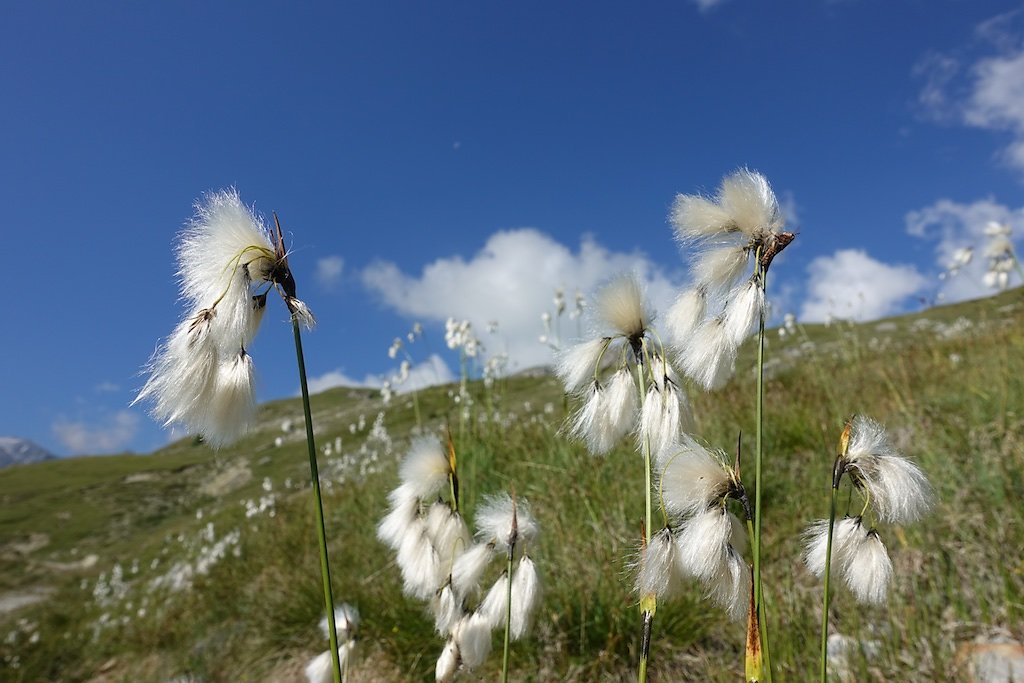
{"points": [[110, 435], [852, 285], [428, 373], [328, 271], [980, 89], [950, 226], [511, 280]]}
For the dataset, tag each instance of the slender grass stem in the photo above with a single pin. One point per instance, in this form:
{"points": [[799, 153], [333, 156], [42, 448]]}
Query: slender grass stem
{"points": [[758, 456], [325, 570], [826, 596], [648, 603], [508, 618]]}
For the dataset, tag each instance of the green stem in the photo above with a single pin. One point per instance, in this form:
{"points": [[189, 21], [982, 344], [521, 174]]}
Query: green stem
{"points": [[508, 618], [828, 568], [759, 451], [647, 603], [325, 570]]}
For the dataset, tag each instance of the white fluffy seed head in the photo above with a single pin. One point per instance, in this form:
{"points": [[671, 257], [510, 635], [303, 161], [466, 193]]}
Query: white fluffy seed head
{"points": [[232, 407], [447, 663], [845, 534], [420, 564], [691, 478], [494, 521], [426, 467], [710, 357], [447, 608], [526, 591], [744, 308], [703, 544], [685, 315], [469, 567], [659, 419], [748, 198], [588, 423], [898, 488], [659, 573], [618, 408], [494, 606], [719, 268], [473, 638], [620, 304], [695, 217], [448, 533], [730, 588], [346, 622], [405, 506], [868, 569], [577, 365]]}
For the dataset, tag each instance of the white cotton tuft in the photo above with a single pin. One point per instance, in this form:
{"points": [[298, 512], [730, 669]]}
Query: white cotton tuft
{"points": [[868, 437], [405, 507], [232, 407], [494, 607], [525, 596], [691, 478], [730, 588], [321, 669], [703, 544], [659, 572], [709, 359], [473, 638], [577, 365], [494, 521], [620, 304], [588, 423], [695, 217], [346, 622], [845, 534], [447, 610], [685, 315], [420, 563], [749, 200], [743, 310], [659, 419], [447, 663], [469, 567], [868, 569], [618, 408], [426, 467], [448, 532], [719, 268], [898, 488], [300, 311]]}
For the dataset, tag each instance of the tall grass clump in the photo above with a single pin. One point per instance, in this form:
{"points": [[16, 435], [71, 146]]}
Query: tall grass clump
{"points": [[202, 377]]}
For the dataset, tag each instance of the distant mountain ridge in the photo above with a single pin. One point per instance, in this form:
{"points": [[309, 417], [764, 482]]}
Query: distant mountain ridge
{"points": [[15, 451]]}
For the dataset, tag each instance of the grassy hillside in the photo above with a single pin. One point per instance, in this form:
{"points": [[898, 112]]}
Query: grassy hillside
{"points": [[193, 565]]}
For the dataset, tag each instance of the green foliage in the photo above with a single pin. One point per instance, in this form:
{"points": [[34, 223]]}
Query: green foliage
{"points": [[950, 392]]}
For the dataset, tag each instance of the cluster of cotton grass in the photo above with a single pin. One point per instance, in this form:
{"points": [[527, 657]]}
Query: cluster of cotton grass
{"points": [[202, 376], [442, 564], [895, 491], [320, 669], [1000, 255], [740, 226], [624, 378]]}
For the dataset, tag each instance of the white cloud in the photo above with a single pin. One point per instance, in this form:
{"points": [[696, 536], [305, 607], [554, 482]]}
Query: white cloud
{"points": [[512, 280], [428, 373], [988, 91], [707, 5], [328, 271], [113, 434], [852, 285], [107, 387], [950, 226]]}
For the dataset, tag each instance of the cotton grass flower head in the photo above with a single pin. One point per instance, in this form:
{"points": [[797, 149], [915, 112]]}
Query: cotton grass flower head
{"points": [[858, 556], [740, 225], [502, 521], [202, 375]]}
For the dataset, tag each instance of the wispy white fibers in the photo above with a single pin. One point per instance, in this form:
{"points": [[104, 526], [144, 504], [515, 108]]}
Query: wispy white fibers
{"points": [[576, 365], [447, 608], [320, 668], [473, 638], [469, 567], [620, 304], [619, 407], [419, 562], [691, 478], [748, 198], [232, 403], [525, 596], [494, 606], [703, 544], [898, 489], [730, 588], [426, 467], [695, 217], [868, 569], [743, 310], [494, 521], [659, 418], [685, 315], [719, 268], [447, 663], [448, 532], [405, 507], [659, 572], [845, 535], [710, 356], [587, 423], [182, 372]]}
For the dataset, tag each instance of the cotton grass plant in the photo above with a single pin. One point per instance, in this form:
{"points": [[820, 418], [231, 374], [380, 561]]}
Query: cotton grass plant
{"points": [[202, 377]]}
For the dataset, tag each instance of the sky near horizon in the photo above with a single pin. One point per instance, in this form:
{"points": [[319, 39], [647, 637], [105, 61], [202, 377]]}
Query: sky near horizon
{"points": [[463, 159]]}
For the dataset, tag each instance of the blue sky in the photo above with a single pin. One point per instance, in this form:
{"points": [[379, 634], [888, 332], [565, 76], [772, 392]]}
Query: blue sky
{"points": [[466, 158]]}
